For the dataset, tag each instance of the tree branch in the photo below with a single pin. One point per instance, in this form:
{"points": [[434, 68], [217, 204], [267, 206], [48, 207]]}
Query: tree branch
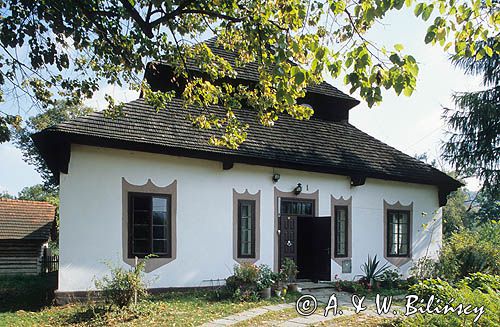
{"points": [[171, 14], [143, 25]]}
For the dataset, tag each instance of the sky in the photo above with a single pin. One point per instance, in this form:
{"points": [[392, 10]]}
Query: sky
{"points": [[410, 124]]}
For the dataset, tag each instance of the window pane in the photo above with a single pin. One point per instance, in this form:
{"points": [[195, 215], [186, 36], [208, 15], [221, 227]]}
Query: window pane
{"points": [[142, 246], [141, 217], [159, 204], [150, 224], [246, 225], [142, 202], [160, 246], [392, 249], [403, 249], [159, 232], [309, 209], [341, 231], [398, 233], [159, 218], [245, 210], [141, 232]]}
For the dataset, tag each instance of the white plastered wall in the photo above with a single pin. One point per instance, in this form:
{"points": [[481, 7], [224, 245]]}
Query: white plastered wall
{"points": [[91, 214]]}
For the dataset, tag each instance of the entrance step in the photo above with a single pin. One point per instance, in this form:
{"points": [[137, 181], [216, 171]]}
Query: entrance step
{"points": [[315, 286]]}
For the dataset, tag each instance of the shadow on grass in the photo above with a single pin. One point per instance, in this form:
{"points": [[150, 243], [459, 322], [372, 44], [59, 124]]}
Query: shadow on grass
{"points": [[28, 293]]}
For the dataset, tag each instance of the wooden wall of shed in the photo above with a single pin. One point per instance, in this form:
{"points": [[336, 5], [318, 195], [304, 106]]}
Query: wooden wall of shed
{"points": [[20, 257]]}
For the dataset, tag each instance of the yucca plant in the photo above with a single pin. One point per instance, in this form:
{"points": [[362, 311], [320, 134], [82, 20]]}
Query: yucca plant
{"points": [[371, 270]]}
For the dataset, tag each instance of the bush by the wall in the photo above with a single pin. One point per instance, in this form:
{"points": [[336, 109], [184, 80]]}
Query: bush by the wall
{"points": [[122, 286], [242, 285]]}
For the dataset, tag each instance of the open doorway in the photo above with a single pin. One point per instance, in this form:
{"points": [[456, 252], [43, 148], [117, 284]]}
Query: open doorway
{"points": [[305, 238]]}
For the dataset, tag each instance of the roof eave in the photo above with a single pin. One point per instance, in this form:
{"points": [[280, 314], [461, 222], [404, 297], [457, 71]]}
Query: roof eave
{"points": [[54, 146]]}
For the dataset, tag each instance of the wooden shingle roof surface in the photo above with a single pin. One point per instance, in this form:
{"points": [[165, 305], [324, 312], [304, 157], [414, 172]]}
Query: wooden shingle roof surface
{"points": [[21, 219], [332, 147], [250, 72]]}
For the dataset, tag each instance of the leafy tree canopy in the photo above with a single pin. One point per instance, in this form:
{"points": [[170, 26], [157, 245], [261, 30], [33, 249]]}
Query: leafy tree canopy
{"points": [[70, 46], [36, 193], [54, 114], [6, 195]]}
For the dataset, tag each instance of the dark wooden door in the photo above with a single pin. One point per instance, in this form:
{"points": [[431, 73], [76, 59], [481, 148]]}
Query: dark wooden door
{"points": [[288, 238], [322, 248]]}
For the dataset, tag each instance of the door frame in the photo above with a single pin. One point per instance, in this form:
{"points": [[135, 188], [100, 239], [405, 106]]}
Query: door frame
{"points": [[277, 203]]}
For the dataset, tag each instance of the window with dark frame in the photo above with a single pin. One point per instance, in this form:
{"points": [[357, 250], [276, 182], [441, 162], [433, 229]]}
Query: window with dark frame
{"points": [[292, 207], [341, 223], [398, 233], [246, 228], [149, 225]]}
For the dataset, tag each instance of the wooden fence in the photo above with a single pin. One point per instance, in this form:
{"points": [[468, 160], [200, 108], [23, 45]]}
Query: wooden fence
{"points": [[50, 263]]}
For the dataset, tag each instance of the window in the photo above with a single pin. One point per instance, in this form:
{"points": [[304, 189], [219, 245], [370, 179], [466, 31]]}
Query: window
{"points": [[150, 230], [341, 224], [398, 233], [246, 228], [292, 207]]}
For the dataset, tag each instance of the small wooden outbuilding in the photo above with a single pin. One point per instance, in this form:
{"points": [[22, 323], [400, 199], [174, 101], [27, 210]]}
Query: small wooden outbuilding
{"points": [[25, 228]]}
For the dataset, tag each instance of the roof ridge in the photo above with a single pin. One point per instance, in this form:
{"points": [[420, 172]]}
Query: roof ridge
{"points": [[26, 201]]}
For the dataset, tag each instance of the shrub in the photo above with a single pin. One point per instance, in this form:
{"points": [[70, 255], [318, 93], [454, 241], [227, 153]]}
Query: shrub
{"points": [[482, 282], [289, 269], [424, 268], [470, 252], [247, 272], [242, 285], [390, 278], [266, 278], [371, 271], [123, 285], [439, 288], [354, 287], [490, 301], [405, 284]]}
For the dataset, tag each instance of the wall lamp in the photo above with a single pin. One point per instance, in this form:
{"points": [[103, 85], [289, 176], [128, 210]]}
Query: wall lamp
{"points": [[276, 178], [297, 189]]}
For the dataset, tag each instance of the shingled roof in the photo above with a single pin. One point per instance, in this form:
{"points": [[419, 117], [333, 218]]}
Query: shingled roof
{"points": [[250, 72], [29, 220], [309, 145]]}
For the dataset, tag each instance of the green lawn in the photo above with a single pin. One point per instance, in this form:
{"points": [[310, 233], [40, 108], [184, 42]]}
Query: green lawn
{"points": [[169, 309], [26, 292]]}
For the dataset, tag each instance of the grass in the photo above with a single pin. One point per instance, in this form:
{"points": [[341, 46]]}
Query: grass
{"points": [[26, 292], [272, 318], [360, 320], [169, 309]]}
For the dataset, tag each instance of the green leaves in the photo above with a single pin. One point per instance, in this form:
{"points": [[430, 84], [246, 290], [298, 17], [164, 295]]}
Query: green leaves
{"points": [[299, 77], [75, 47], [429, 37]]}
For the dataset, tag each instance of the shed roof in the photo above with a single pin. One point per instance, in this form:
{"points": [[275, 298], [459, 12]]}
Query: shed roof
{"points": [[20, 219]]}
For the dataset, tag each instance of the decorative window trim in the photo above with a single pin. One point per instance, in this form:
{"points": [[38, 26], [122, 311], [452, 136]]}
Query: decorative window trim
{"points": [[343, 203], [289, 195], [151, 189], [398, 261], [246, 196]]}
